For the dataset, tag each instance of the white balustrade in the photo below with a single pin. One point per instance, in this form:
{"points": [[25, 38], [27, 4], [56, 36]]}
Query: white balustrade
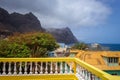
{"points": [[84, 74], [21, 68], [51, 67]]}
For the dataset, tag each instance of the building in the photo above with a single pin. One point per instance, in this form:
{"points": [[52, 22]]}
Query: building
{"points": [[62, 51], [108, 61]]}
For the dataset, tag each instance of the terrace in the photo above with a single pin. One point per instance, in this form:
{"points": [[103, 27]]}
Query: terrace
{"points": [[50, 69]]}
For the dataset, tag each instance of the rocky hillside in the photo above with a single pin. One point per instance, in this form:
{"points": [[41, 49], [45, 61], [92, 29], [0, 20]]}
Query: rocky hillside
{"points": [[63, 35], [16, 22]]}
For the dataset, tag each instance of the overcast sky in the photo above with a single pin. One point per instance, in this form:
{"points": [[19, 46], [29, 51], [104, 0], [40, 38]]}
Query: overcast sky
{"points": [[89, 20]]}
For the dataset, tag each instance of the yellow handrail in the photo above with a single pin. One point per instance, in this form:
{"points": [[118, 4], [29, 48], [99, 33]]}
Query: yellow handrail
{"points": [[35, 59]]}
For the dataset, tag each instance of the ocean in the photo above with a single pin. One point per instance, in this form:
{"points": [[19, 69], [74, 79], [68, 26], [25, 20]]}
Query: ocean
{"points": [[112, 47]]}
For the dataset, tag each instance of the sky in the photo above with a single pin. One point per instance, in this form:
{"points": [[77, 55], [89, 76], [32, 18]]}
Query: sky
{"points": [[91, 21]]}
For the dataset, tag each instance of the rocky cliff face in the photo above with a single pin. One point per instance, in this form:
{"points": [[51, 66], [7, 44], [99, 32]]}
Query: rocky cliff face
{"points": [[5, 20], [15, 22], [63, 35], [25, 23]]}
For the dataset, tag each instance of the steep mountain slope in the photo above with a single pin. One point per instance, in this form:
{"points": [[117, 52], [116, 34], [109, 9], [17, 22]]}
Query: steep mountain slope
{"points": [[63, 35], [16, 22]]}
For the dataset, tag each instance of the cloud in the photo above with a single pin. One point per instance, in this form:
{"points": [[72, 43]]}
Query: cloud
{"points": [[61, 13]]}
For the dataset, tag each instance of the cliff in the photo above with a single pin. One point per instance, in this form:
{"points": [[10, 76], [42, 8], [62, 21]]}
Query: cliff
{"points": [[25, 23], [16, 22], [63, 35]]}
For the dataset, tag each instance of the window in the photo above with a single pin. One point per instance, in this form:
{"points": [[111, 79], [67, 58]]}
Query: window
{"points": [[112, 59], [114, 74]]}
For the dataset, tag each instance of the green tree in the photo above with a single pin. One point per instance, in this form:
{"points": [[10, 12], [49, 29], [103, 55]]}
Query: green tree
{"points": [[8, 49], [80, 46], [38, 43], [4, 50]]}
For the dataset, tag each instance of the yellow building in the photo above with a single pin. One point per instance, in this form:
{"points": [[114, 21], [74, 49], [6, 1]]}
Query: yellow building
{"points": [[108, 61]]}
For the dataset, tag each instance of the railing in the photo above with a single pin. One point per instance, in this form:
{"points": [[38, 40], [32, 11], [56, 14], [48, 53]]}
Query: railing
{"points": [[10, 67]]}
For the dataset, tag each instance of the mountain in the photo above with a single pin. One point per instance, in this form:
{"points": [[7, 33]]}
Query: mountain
{"points": [[16, 22], [63, 35], [5, 21], [25, 23]]}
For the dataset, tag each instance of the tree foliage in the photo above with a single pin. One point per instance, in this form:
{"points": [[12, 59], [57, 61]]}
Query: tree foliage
{"points": [[36, 44], [80, 46], [8, 49]]}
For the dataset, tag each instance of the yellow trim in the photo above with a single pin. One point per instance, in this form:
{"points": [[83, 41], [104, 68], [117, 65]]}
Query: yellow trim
{"points": [[40, 77], [36, 59]]}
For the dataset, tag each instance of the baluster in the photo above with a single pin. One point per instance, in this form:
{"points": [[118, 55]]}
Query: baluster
{"points": [[70, 68], [20, 69], [77, 72], [46, 69], [4, 68], [66, 71], [86, 76], [89, 76], [56, 68], [93, 77], [15, 71], [25, 71], [31, 68], [97, 78], [9, 69], [61, 68], [41, 68], [51, 69], [80, 73], [83, 75], [36, 68], [77, 69]]}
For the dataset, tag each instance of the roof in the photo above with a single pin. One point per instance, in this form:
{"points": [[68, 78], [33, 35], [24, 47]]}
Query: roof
{"points": [[95, 58], [111, 54]]}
